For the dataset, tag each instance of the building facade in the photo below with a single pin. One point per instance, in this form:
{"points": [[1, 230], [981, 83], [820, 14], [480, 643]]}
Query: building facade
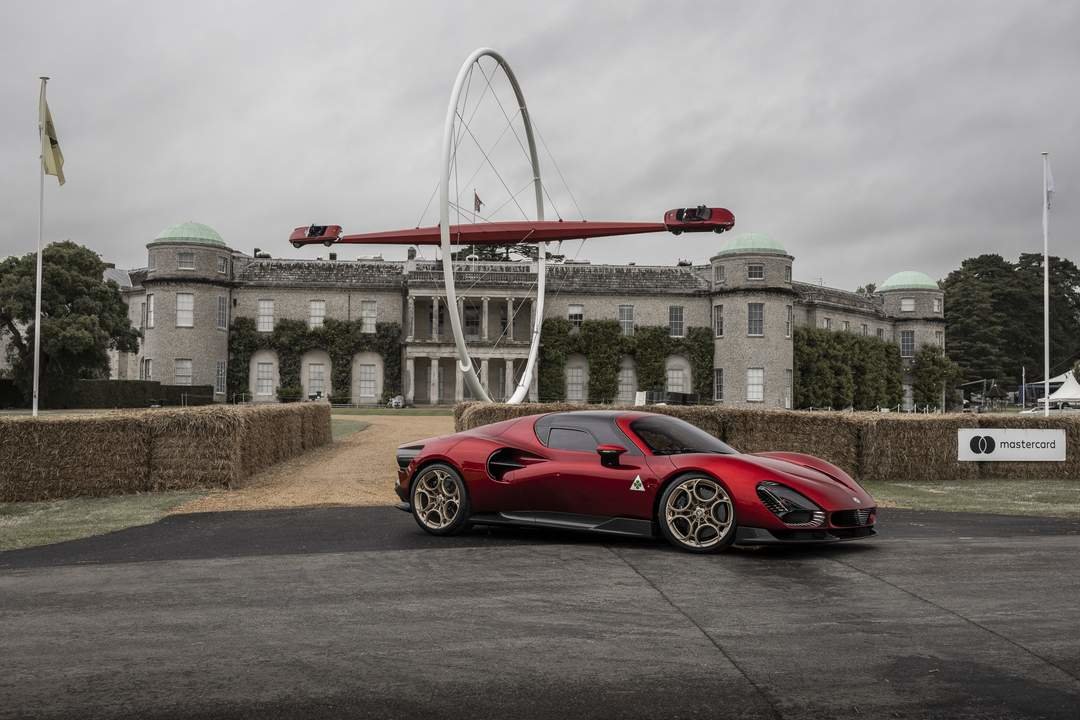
{"points": [[194, 286]]}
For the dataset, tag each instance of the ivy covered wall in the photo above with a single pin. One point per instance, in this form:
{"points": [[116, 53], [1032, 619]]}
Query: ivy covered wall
{"points": [[290, 339], [603, 345]]}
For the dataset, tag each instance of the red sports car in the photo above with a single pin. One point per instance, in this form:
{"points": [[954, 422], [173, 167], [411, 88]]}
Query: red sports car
{"points": [[627, 473], [699, 219]]}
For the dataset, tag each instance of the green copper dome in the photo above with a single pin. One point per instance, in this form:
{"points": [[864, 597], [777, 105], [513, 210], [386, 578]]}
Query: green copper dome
{"points": [[190, 232], [752, 243], [909, 280]]}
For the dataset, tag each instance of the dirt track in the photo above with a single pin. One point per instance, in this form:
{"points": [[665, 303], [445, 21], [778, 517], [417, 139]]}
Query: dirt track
{"points": [[358, 469]]}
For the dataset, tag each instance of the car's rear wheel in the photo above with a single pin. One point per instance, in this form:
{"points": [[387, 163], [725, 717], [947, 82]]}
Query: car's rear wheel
{"points": [[440, 501], [696, 514]]}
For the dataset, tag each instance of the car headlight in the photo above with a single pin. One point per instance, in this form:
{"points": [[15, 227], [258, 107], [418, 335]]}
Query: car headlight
{"points": [[792, 508]]}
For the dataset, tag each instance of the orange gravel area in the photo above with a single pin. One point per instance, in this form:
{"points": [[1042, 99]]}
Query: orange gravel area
{"points": [[357, 469]]}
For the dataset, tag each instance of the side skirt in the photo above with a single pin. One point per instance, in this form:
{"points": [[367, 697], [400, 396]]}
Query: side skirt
{"points": [[568, 521]]}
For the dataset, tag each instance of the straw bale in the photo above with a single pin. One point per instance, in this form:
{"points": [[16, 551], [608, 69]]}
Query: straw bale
{"points": [[831, 436], [1068, 470], [194, 447]]}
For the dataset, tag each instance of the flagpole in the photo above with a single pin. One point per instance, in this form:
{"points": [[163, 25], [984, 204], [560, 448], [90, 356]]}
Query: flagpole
{"points": [[1046, 288], [41, 232]]}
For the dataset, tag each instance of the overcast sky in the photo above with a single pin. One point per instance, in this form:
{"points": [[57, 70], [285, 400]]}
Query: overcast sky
{"points": [[866, 137]]}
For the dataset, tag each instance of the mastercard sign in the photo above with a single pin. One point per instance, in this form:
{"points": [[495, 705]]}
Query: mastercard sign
{"points": [[1000, 445]]}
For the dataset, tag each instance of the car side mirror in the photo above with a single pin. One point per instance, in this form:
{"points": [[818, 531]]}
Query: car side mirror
{"points": [[609, 454]]}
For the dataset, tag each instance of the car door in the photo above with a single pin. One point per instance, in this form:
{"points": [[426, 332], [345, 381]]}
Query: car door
{"points": [[577, 482]]}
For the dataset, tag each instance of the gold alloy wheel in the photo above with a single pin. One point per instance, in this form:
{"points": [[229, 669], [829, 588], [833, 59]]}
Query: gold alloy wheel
{"points": [[698, 513], [437, 498]]}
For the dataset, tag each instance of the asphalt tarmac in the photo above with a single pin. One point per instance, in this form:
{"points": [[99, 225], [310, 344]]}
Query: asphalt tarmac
{"points": [[354, 612]]}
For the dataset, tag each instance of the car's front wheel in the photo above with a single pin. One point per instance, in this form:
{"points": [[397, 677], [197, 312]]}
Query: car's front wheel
{"points": [[440, 501], [696, 514]]}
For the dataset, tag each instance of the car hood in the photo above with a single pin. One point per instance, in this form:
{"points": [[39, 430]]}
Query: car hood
{"points": [[829, 491]]}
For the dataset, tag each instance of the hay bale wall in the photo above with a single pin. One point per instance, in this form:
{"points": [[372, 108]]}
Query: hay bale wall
{"points": [[118, 452], [869, 446]]}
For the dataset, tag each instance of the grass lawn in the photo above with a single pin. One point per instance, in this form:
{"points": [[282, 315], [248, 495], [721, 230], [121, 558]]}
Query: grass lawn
{"points": [[1052, 498], [341, 428], [389, 411], [38, 523]]}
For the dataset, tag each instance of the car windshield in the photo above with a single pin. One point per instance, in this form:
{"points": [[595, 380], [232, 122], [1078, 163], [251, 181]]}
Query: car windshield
{"points": [[671, 436]]}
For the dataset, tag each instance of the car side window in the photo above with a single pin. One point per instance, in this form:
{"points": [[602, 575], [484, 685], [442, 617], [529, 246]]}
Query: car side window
{"points": [[567, 439]]}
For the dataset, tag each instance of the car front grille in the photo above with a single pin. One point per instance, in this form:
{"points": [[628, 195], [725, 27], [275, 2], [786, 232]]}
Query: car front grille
{"points": [[852, 518]]}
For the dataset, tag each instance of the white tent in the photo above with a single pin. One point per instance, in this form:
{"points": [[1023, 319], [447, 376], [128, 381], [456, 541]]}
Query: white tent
{"points": [[1062, 378], [1069, 390]]}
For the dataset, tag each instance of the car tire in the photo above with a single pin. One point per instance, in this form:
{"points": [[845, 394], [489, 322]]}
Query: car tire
{"points": [[696, 514], [440, 500]]}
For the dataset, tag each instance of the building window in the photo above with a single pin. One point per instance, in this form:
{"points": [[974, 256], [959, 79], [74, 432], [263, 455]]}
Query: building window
{"points": [[865, 330], [223, 265], [787, 323], [151, 262], [366, 381], [755, 384], [787, 273], [787, 388], [718, 320], [222, 312], [675, 321], [185, 260], [471, 319], [718, 384], [939, 337], [368, 312], [627, 385], [676, 380], [755, 319], [845, 326], [826, 323], [880, 334], [907, 304], [755, 271], [907, 343], [219, 378], [150, 310], [316, 379], [576, 315], [264, 321], [575, 384], [937, 305], [182, 371], [185, 310], [264, 378], [146, 372], [316, 313], [626, 319], [718, 274]]}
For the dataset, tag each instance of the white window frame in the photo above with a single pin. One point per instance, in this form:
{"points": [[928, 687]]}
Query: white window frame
{"points": [[150, 310], [826, 323], [865, 330], [627, 384], [219, 378], [676, 321], [181, 256], [937, 305], [626, 319], [264, 379], [719, 276], [718, 320], [316, 381], [576, 315], [845, 326], [789, 383], [316, 313], [939, 337], [675, 380], [789, 321], [880, 334], [365, 380], [718, 384], [755, 271], [188, 312], [223, 265], [907, 349], [369, 313], [787, 273], [182, 378], [264, 315], [575, 378], [147, 369], [750, 320], [222, 312], [755, 391], [907, 304]]}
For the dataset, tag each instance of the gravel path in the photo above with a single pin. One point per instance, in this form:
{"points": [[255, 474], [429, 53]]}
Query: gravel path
{"points": [[357, 469]]}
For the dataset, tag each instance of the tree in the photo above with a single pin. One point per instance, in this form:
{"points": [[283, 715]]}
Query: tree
{"points": [[841, 370], [933, 375], [83, 317]]}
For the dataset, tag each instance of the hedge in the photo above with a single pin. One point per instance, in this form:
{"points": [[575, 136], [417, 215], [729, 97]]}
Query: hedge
{"points": [[869, 446], [119, 452]]}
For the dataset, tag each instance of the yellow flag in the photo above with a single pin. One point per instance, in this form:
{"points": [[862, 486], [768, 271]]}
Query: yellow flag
{"points": [[51, 157]]}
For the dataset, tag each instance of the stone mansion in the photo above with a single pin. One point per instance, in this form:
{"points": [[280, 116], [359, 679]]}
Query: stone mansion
{"points": [[194, 285]]}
